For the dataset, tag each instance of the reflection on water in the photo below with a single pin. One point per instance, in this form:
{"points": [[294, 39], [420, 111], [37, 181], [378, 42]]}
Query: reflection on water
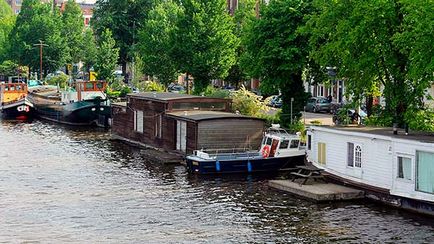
{"points": [[63, 184]]}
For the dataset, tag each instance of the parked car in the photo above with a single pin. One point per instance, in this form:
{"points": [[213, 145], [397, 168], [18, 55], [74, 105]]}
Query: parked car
{"points": [[274, 101], [176, 89], [318, 104]]}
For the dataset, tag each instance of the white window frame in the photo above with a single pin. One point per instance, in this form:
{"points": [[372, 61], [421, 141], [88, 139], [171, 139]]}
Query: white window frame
{"points": [[158, 125], [412, 164], [138, 121], [356, 156]]}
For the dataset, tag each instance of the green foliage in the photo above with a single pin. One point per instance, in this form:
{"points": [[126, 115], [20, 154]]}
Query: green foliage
{"points": [[123, 18], [117, 88], [247, 103], [7, 20], [156, 39], [270, 118], [315, 122], [89, 48], [72, 30], [106, 56], [205, 43], [210, 91], [59, 80], [8, 68], [150, 86], [277, 51], [379, 117], [377, 42], [35, 22], [420, 120]]}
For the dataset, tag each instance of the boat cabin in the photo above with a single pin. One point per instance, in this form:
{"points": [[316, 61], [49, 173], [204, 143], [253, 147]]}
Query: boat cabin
{"points": [[10, 92], [278, 142], [183, 123], [84, 90]]}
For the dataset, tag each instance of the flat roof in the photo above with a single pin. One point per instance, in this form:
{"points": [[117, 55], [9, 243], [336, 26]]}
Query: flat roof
{"points": [[122, 104], [425, 137], [198, 115], [165, 96]]}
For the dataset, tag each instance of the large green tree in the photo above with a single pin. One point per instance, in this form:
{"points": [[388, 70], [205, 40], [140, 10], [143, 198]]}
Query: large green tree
{"points": [[106, 56], [124, 18], [157, 39], [7, 20], [279, 51], [73, 29], [377, 41], [38, 22], [205, 42], [89, 49]]}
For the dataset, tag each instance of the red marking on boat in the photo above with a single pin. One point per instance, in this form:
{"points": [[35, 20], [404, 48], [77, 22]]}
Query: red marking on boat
{"points": [[21, 117]]}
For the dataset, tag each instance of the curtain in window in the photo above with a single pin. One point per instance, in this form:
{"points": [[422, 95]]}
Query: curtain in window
{"points": [[406, 168], [425, 172]]}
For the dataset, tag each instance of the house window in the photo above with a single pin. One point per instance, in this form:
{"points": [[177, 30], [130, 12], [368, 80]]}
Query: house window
{"points": [[425, 172], [309, 142], [138, 121], [354, 155], [404, 168], [158, 122], [321, 153], [284, 144]]}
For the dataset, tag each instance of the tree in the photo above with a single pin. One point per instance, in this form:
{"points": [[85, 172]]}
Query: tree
{"points": [[37, 16], [106, 56], [279, 51], [89, 49], [73, 27], [156, 41], [124, 18], [7, 20], [205, 43], [377, 42]]}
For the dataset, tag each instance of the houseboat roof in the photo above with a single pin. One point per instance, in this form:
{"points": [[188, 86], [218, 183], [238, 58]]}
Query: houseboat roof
{"points": [[120, 104], [198, 115], [161, 95], [385, 132]]}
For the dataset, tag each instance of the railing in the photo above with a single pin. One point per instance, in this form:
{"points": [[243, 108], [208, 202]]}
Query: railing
{"points": [[225, 152]]}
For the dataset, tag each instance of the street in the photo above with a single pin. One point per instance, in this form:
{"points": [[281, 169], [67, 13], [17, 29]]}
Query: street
{"points": [[307, 117]]}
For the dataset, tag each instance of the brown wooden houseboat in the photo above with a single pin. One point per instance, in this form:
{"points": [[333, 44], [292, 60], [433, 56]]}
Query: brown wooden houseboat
{"points": [[182, 123]]}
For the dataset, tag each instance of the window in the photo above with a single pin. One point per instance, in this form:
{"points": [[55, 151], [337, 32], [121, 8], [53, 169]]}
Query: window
{"points": [[354, 155], [158, 122], [284, 144], [269, 141], [294, 144], [425, 172], [138, 121], [89, 86], [321, 153], [309, 142], [404, 168]]}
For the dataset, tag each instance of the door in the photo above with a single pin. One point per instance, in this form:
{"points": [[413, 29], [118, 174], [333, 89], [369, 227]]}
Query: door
{"points": [[273, 147], [181, 135]]}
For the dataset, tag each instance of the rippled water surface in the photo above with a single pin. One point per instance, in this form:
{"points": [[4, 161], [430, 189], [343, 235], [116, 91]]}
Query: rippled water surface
{"points": [[60, 184]]}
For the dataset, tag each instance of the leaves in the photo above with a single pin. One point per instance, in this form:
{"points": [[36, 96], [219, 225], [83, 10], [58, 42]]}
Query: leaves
{"points": [[106, 56]]}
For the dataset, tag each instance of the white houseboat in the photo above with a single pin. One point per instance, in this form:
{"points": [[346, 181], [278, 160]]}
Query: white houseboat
{"points": [[394, 168]]}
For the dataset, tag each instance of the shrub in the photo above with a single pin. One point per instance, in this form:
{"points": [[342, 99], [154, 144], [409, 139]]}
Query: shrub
{"points": [[216, 92], [247, 103], [150, 86], [421, 120], [59, 80]]}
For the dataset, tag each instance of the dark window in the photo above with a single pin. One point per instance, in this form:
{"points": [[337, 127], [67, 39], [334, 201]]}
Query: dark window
{"points": [[294, 144], [269, 140], [404, 168], [284, 144], [99, 85], [89, 86], [350, 154], [309, 142]]}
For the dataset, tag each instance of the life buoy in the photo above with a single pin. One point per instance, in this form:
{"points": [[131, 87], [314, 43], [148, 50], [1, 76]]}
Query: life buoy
{"points": [[265, 151], [27, 109]]}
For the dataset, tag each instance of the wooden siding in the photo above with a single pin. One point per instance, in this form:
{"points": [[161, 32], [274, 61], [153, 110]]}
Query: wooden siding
{"points": [[230, 133]]}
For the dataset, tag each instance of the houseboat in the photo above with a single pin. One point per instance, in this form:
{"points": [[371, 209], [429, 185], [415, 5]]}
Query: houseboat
{"points": [[279, 150], [84, 103], [181, 123], [14, 103], [392, 166]]}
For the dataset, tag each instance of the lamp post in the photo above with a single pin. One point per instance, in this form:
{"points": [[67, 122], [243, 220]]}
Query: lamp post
{"points": [[40, 45], [292, 100]]}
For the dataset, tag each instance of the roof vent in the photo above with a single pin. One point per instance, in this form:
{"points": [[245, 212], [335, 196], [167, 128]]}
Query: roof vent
{"points": [[155, 94], [185, 113]]}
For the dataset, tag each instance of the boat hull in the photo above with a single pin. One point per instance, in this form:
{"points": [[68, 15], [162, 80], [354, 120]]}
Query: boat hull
{"points": [[78, 113], [21, 109], [253, 165]]}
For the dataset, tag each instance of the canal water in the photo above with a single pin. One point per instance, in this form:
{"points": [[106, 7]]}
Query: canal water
{"points": [[60, 184]]}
